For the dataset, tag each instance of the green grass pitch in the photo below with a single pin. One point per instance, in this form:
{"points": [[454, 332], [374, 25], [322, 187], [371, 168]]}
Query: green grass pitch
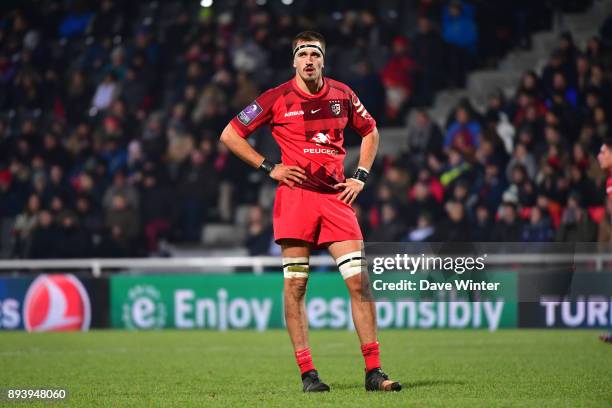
{"points": [[236, 369]]}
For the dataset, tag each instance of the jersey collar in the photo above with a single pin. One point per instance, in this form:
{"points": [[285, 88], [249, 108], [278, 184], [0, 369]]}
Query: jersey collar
{"points": [[322, 92]]}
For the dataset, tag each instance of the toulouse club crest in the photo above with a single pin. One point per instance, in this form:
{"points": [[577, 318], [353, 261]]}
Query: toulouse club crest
{"points": [[336, 108]]}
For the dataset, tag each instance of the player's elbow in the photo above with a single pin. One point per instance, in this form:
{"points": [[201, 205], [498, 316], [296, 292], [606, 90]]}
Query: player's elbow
{"points": [[226, 135], [373, 136]]}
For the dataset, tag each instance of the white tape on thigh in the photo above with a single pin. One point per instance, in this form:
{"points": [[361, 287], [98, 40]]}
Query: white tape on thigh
{"points": [[295, 267], [351, 264]]}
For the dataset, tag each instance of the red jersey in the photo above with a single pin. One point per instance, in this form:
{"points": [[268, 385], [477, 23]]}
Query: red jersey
{"points": [[309, 128]]}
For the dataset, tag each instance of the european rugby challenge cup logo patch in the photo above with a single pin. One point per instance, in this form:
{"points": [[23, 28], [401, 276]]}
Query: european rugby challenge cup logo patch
{"points": [[250, 113], [56, 303]]}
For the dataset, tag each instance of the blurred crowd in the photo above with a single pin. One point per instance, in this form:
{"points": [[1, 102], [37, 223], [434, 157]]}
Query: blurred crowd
{"points": [[524, 169], [110, 113]]}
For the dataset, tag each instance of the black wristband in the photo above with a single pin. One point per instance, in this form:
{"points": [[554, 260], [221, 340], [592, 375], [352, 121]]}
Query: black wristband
{"points": [[361, 175], [267, 166]]}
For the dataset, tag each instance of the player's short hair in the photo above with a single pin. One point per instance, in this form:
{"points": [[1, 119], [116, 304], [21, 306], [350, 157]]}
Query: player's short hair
{"points": [[608, 142], [308, 36]]}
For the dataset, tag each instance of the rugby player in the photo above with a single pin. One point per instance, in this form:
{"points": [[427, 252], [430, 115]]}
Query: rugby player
{"points": [[312, 208], [605, 161]]}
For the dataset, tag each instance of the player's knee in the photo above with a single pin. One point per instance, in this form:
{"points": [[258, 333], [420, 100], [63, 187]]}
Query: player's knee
{"points": [[353, 285], [351, 264], [296, 288]]}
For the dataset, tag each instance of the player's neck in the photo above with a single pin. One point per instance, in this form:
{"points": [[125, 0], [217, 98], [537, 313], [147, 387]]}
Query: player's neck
{"points": [[310, 87]]}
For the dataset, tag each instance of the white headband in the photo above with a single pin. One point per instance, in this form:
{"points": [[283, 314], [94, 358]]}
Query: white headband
{"points": [[299, 47]]}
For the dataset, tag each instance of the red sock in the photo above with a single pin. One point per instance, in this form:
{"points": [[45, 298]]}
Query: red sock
{"points": [[304, 360], [371, 355]]}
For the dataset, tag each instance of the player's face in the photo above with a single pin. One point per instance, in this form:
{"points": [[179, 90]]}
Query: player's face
{"points": [[605, 157], [308, 62]]}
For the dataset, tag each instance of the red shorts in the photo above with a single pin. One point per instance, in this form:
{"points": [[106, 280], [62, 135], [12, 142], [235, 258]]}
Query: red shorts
{"points": [[318, 218]]}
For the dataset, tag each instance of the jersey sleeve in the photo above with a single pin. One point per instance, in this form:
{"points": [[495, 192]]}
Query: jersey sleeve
{"points": [[257, 113], [359, 119]]}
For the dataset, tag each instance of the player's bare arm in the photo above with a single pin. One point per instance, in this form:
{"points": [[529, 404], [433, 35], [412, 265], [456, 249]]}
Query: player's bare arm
{"points": [[353, 186], [290, 175]]}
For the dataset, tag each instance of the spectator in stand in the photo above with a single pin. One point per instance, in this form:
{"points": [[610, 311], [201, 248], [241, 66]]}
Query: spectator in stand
{"points": [[124, 223], [598, 52], [497, 108], [58, 185], [461, 194], [531, 85], [423, 136], [539, 228], [482, 225], [463, 133], [568, 52], [508, 228], [25, 224], [259, 232], [576, 225], [197, 192], [108, 20], [383, 195], [45, 238], [461, 33], [521, 186], [106, 92], [424, 230], [90, 217], [78, 96], [157, 210], [368, 85], [398, 181], [75, 241], [598, 81], [432, 183], [583, 68], [587, 163], [76, 21], [146, 44], [390, 229], [121, 186], [522, 156], [398, 79], [430, 55], [135, 91], [117, 64], [584, 187], [421, 202], [455, 225], [457, 169]]}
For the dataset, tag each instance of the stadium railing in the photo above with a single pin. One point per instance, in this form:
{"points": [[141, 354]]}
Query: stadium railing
{"points": [[258, 264]]}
